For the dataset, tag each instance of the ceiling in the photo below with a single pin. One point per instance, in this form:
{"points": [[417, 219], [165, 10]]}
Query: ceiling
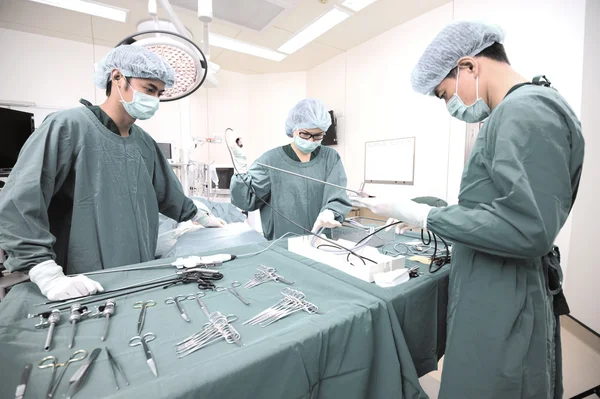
{"points": [[371, 21]]}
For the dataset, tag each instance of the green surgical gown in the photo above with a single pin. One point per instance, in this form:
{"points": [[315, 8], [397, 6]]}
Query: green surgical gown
{"points": [[516, 193], [86, 197], [298, 199]]}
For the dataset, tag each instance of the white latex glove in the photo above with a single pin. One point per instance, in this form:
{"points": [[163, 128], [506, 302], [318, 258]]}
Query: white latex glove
{"points": [[401, 228], [410, 212], [326, 219], [205, 218], [53, 283], [239, 157]]}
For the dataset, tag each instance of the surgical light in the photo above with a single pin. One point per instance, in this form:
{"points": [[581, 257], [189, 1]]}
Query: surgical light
{"points": [[184, 56]]}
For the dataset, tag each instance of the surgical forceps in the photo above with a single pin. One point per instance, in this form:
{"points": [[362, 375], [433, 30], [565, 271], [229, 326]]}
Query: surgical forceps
{"points": [[142, 305], [176, 300], [52, 361], [233, 290], [197, 297], [143, 341]]}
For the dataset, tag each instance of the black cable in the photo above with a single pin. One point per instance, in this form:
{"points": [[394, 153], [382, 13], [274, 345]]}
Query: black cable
{"points": [[377, 231], [333, 243]]}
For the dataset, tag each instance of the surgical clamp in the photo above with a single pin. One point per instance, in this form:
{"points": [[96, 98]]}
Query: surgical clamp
{"points": [[233, 290], [143, 341], [52, 361], [265, 274], [142, 305], [176, 300]]}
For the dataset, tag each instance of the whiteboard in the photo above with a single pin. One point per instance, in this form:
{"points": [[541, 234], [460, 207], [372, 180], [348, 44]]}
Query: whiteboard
{"points": [[390, 161]]}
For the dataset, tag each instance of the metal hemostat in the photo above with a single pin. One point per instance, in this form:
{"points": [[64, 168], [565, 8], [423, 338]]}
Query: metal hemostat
{"points": [[265, 274], [49, 320], [218, 328], [293, 301]]}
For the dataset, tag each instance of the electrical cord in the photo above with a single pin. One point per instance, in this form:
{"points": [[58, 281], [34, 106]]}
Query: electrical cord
{"points": [[267, 248], [333, 243], [430, 235]]}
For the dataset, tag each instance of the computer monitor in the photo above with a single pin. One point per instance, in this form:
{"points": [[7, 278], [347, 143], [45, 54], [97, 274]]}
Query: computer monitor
{"points": [[331, 134], [15, 129], [166, 149], [224, 173]]}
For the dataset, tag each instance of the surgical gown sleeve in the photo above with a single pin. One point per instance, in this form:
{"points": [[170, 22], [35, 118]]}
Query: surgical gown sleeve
{"points": [[334, 198], [241, 194], [172, 201], [527, 154], [42, 167]]}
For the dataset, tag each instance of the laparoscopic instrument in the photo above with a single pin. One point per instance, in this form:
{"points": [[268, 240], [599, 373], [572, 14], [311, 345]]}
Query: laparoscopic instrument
{"points": [[359, 193]]}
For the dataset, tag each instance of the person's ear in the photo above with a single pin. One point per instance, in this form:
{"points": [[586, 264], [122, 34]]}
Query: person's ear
{"points": [[119, 79], [469, 65]]}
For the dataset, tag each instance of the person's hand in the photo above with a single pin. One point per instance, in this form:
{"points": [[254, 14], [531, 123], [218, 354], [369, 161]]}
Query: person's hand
{"points": [[326, 219], [204, 218], [240, 161], [207, 219], [54, 285], [400, 228], [410, 212]]}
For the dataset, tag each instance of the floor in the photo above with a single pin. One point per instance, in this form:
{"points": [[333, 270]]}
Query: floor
{"points": [[581, 362]]}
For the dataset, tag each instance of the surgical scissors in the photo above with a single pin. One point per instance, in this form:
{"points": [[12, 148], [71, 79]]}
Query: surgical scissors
{"points": [[176, 300], [142, 305], [233, 290], [52, 361], [143, 341]]}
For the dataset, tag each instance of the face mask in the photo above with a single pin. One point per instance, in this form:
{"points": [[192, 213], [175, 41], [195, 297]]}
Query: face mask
{"points": [[306, 146], [473, 113], [142, 106]]}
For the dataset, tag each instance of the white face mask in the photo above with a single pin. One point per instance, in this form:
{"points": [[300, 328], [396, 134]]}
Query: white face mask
{"points": [[473, 113], [142, 106]]}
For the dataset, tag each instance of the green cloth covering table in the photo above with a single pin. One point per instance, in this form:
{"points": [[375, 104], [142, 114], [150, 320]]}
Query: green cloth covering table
{"points": [[419, 306], [355, 350]]}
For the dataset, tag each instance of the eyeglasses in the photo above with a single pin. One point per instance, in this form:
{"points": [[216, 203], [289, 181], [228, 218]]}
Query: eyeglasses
{"points": [[306, 136]]}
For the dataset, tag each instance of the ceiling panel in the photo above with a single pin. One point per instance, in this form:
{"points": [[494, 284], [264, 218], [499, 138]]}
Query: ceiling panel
{"points": [[27, 13], [270, 38], [377, 18], [305, 13], [313, 54]]}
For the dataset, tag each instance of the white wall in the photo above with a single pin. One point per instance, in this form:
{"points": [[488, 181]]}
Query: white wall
{"points": [[581, 285], [370, 84], [271, 97]]}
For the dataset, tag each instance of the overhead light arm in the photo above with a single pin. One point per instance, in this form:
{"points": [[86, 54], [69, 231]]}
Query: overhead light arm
{"points": [[175, 19]]}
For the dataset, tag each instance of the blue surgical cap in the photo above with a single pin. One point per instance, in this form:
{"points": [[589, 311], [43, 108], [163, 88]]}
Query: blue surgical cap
{"points": [[455, 41], [136, 62], [307, 114]]}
